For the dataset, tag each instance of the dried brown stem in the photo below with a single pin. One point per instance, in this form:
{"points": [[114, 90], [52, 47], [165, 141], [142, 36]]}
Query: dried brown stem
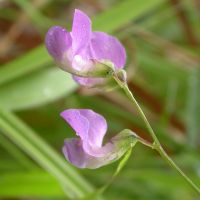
{"points": [[171, 50], [182, 16], [17, 28]]}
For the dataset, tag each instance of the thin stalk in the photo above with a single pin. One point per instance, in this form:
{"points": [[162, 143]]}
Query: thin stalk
{"points": [[173, 165], [16, 153], [132, 98], [156, 145]]}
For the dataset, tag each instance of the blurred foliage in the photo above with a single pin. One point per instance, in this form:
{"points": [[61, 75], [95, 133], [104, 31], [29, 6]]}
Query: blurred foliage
{"points": [[163, 47]]}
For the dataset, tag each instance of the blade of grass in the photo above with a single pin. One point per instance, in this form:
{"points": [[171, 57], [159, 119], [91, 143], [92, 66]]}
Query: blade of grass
{"points": [[37, 17], [16, 153], [192, 116], [40, 151], [38, 88], [122, 13], [35, 184], [31, 61]]}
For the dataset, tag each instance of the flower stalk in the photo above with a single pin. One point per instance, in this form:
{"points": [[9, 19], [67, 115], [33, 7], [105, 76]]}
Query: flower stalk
{"points": [[94, 59], [156, 144]]}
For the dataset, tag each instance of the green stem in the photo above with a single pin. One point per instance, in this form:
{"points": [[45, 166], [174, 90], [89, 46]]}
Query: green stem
{"points": [[157, 146], [173, 165]]}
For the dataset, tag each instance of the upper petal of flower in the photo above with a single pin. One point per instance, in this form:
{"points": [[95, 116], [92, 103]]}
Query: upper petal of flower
{"points": [[90, 126], [58, 41], [78, 122], [106, 47], [81, 31], [97, 127]]}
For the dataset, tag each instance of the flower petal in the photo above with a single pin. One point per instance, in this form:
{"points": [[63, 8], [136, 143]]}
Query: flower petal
{"points": [[88, 82], [81, 64], [90, 126], [81, 31], [78, 122], [97, 127], [74, 152], [106, 47], [58, 41]]}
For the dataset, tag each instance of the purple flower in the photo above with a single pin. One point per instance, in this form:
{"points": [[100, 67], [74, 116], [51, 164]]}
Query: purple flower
{"points": [[88, 151], [85, 53]]}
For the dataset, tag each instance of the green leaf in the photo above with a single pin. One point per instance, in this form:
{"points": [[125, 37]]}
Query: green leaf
{"points": [[123, 162], [29, 184], [35, 59], [41, 87]]}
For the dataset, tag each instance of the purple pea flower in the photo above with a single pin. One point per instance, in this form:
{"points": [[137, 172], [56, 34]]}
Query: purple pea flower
{"points": [[88, 151], [88, 55]]}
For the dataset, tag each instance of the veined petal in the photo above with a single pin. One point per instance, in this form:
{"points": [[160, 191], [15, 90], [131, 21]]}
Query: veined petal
{"points": [[90, 126], [97, 127], [79, 123], [76, 154], [58, 41], [106, 47], [81, 31], [88, 82]]}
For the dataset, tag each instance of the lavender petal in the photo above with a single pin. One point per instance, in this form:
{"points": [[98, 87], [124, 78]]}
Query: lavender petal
{"points": [[78, 122], [88, 82], [106, 47], [58, 41], [81, 31]]}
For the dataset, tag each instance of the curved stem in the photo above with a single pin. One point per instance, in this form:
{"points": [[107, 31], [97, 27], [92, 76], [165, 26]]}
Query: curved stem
{"points": [[173, 165], [156, 145]]}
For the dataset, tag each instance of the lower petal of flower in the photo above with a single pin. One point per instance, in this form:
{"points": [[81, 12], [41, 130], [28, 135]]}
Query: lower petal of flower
{"points": [[89, 82], [75, 153]]}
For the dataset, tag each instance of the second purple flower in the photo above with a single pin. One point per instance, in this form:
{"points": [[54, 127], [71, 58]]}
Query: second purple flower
{"points": [[87, 150]]}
